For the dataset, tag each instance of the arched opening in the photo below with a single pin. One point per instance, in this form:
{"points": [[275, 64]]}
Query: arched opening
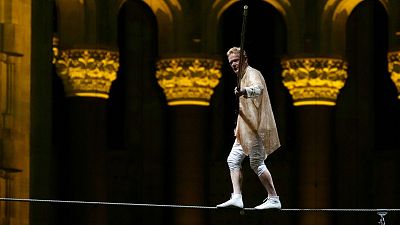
{"points": [[366, 118], [136, 119]]}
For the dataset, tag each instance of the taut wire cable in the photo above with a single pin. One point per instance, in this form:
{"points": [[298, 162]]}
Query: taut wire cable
{"points": [[33, 200], [381, 212]]}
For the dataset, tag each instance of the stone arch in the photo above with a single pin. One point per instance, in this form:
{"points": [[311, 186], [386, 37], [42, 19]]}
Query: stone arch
{"points": [[283, 6], [166, 13], [164, 7], [358, 108], [135, 108], [262, 10], [219, 7], [137, 32], [333, 26], [76, 23]]}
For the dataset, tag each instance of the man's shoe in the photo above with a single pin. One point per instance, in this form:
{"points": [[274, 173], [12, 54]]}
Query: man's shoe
{"points": [[235, 202], [270, 203]]}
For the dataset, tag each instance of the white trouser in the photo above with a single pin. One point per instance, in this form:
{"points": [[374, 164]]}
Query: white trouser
{"points": [[257, 156]]}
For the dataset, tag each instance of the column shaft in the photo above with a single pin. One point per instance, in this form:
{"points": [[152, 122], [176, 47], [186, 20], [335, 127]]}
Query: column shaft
{"points": [[188, 149], [314, 141], [85, 176]]}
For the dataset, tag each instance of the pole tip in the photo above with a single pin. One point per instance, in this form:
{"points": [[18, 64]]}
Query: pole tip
{"points": [[245, 9]]}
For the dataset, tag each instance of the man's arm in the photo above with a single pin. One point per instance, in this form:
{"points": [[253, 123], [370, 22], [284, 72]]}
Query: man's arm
{"points": [[255, 86], [249, 92], [252, 91]]}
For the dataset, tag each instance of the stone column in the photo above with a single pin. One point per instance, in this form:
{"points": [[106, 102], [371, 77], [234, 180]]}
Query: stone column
{"points": [[11, 159], [87, 75], [394, 68], [188, 85], [314, 84], [8, 210]]}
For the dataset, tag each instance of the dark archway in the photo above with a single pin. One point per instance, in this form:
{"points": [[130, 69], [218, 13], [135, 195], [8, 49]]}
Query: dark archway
{"points": [[44, 95], [366, 118], [136, 119]]}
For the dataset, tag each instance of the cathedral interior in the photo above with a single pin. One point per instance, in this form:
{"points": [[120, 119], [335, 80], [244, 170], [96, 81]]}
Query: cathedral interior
{"points": [[132, 101]]}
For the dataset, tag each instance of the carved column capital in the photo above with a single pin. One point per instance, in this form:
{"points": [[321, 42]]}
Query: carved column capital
{"points": [[188, 81], [394, 69], [87, 72], [314, 81]]}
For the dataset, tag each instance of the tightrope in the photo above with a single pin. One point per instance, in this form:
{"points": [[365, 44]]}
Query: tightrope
{"points": [[343, 210], [32, 200]]}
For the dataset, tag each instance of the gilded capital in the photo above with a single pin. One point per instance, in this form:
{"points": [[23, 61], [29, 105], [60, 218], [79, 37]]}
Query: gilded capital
{"points": [[314, 81], [394, 69], [188, 81], [87, 72]]}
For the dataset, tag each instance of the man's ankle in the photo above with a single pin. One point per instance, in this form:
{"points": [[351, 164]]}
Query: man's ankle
{"points": [[236, 195]]}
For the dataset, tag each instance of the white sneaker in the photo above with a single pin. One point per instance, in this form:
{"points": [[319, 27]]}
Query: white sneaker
{"points": [[235, 202], [270, 203]]}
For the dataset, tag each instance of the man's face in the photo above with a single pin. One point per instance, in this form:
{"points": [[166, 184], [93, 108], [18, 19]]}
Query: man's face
{"points": [[233, 60]]}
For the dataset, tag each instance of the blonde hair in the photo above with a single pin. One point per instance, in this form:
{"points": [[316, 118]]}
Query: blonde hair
{"points": [[236, 51]]}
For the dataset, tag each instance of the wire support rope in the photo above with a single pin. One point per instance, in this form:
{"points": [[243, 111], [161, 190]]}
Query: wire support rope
{"points": [[380, 212], [33, 200]]}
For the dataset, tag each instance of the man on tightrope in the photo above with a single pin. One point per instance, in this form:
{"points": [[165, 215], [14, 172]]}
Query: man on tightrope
{"points": [[256, 132]]}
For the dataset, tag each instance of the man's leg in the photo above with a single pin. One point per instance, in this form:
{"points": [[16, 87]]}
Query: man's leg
{"points": [[272, 201], [266, 180], [258, 166], [234, 161], [236, 178], [257, 157]]}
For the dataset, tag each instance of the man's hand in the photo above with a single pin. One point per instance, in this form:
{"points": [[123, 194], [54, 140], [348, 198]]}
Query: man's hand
{"points": [[240, 93]]}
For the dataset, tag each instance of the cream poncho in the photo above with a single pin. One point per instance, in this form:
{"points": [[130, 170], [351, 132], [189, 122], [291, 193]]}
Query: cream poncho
{"points": [[256, 118]]}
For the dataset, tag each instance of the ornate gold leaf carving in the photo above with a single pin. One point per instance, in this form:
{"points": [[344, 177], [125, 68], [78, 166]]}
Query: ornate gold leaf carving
{"points": [[314, 81], [394, 69], [188, 81], [87, 72]]}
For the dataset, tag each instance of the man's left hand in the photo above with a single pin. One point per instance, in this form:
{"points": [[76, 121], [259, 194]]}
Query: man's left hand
{"points": [[240, 93]]}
